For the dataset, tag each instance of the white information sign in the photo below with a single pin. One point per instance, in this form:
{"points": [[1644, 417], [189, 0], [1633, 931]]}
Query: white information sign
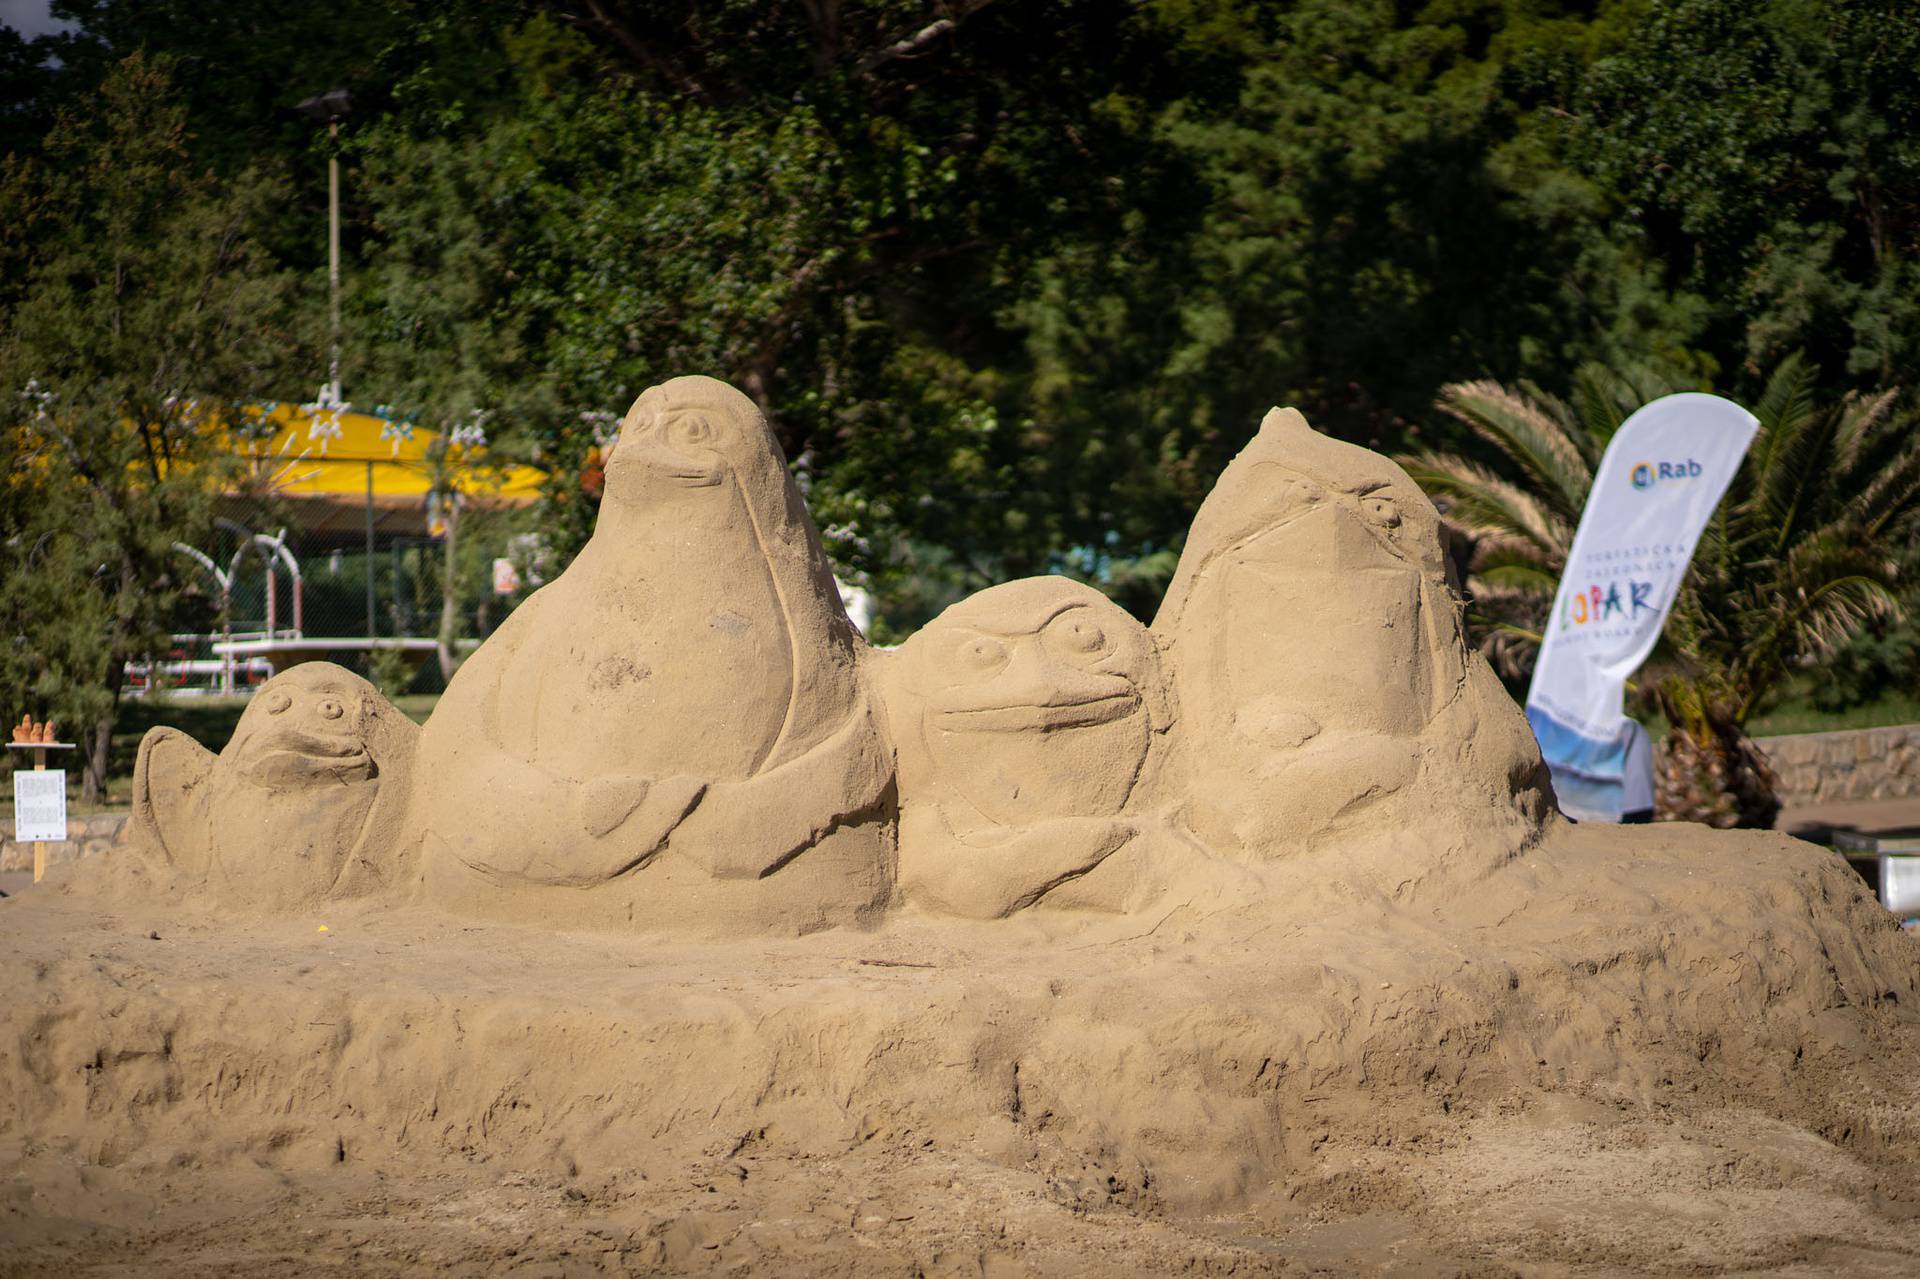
{"points": [[39, 804], [1664, 472], [1900, 884]]}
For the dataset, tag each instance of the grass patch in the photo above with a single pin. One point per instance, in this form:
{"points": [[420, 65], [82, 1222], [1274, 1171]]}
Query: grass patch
{"points": [[1795, 713]]}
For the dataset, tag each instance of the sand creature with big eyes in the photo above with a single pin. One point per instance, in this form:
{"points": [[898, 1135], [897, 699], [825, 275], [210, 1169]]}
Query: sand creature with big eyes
{"points": [[1024, 718], [300, 804]]}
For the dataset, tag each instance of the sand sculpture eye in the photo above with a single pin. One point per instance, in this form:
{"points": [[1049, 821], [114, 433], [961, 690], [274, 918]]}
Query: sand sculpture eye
{"points": [[1294, 491], [981, 655], [1078, 634], [1382, 511], [638, 423], [330, 708], [278, 701], [689, 431]]}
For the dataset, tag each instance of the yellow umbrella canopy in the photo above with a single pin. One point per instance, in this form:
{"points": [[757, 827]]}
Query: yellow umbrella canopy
{"points": [[337, 461], [320, 450]]}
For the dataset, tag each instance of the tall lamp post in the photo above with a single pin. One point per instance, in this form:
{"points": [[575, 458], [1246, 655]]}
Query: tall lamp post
{"points": [[330, 108]]}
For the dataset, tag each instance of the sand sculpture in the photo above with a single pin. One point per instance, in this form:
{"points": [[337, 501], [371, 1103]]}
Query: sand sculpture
{"points": [[303, 804], [1025, 719], [682, 717], [1325, 683], [1194, 937], [1306, 680], [685, 731]]}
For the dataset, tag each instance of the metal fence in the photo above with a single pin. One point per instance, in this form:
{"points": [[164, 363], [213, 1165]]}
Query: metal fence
{"points": [[264, 598]]}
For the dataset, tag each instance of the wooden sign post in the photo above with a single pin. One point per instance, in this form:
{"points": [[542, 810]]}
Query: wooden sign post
{"points": [[39, 797]]}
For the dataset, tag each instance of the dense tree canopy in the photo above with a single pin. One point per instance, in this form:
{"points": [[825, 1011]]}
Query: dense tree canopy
{"points": [[1013, 280]]}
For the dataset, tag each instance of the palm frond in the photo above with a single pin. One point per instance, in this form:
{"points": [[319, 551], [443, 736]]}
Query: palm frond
{"points": [[1863, 420], [1605, 398], [1516, 580], [1541, 446], [1789, 393], [1886, 504], [1497, 551], [1784, 406], [1481, 503]]}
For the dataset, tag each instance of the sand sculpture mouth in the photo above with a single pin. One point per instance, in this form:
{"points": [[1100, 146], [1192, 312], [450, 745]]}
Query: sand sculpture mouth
{"points": [[1016, 717], [292, 757], [682, 471]]}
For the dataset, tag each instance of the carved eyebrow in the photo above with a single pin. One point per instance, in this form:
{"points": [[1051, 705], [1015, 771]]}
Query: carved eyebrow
{"points": [[711, 415], [1025, 627], [1365, 487], [1062, 611]]}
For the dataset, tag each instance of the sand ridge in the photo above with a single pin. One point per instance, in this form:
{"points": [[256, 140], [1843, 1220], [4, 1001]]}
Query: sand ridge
{"points": [[1583, 1063]]}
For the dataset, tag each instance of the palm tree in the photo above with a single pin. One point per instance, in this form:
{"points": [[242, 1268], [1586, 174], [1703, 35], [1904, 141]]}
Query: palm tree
{"points": [[1803, 550]]}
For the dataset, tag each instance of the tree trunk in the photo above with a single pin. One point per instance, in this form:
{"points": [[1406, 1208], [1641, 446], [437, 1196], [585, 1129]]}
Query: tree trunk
{"points": [[449, 590], [99, 747], [99, 753], [1715, 775]]}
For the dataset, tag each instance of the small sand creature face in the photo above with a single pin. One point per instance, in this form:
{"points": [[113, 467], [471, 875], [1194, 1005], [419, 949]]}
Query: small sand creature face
{"points": [[1402, 524], [1034, 700], [1069, 673], [668, 443], [303, 731]]}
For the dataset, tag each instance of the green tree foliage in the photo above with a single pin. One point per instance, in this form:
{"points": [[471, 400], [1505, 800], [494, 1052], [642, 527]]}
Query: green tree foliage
{"points": [[1769, 156], [1013, 281], [823, 230], [135, 306]]}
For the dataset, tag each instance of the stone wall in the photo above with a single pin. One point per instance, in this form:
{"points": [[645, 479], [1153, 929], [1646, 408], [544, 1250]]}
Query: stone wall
{"points": [[1867, 763], [86, 836]]}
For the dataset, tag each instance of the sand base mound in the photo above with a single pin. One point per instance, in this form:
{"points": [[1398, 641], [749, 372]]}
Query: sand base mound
{"points": [[1659, 1049]]}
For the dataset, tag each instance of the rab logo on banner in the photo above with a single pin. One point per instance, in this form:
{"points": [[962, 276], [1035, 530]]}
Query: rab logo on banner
{"points": [[1646, 474]]}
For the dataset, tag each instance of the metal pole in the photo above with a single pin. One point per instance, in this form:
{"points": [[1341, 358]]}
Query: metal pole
{"points": [[371, 631], [333, 251]]}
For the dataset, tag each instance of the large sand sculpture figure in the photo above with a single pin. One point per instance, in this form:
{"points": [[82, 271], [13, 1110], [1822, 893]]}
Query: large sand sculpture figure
{"points": [[1326, 686], [682, 714], [1245, 942]]}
